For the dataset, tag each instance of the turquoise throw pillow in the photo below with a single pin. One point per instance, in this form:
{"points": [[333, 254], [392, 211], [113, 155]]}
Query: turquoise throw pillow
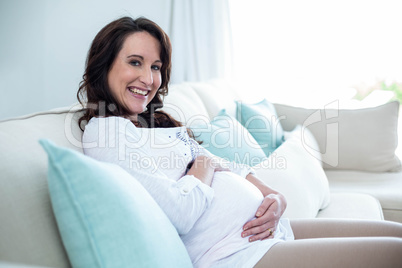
{"points": [[225, 137], [262, 122], [106, 218]]}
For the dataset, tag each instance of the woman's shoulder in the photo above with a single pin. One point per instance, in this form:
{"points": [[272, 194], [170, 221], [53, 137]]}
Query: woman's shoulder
{"points": [[120, 123], [110, 122], [103, 119], [97, 124]]}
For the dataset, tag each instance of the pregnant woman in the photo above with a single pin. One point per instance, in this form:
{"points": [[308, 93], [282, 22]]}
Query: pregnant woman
{"points": [[224, 214]]}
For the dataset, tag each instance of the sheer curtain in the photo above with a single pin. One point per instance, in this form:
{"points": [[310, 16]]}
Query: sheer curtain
{"points": [[201, 38]]}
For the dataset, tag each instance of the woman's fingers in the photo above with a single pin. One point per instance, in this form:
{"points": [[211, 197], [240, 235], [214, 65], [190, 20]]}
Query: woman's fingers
{"points": [[264, 225], [266, 203], [262, 233], [262, 214]]}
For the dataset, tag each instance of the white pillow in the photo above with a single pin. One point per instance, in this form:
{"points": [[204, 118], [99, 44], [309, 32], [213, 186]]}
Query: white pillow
{"points": [[216, 96], [307, 140], [184, 105], [360, 139], [297, 174]]}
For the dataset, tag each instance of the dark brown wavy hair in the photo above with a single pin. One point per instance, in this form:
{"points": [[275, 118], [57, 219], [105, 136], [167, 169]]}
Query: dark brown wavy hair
{"points": [[94, 92]]}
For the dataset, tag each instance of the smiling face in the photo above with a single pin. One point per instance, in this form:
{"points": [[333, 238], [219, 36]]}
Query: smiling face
{"points": [[135, 75]]}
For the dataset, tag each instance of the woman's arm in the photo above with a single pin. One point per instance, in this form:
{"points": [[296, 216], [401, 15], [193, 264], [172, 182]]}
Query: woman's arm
{"points": [[267, 215], [183, 201], [240, 169]]}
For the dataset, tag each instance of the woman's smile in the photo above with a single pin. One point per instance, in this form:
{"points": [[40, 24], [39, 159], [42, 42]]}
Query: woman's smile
{"points": [[137, 91]]}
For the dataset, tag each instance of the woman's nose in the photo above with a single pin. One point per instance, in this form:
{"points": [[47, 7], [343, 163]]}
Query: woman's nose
{"points": [[146, 77]]}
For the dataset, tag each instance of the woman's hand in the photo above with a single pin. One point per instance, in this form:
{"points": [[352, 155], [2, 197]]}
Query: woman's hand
{"points": [[204, 168], [268, 213], [267, 218]]}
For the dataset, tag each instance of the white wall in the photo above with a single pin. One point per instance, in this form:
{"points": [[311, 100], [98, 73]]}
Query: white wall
{"points": [[43, 47]]}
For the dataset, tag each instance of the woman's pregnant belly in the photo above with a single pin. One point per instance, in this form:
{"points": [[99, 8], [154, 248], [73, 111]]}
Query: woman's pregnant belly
{"points": [[217, 233]]}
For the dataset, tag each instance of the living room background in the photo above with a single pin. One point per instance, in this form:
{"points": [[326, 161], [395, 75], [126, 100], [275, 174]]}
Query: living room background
{"points": [[44, 44], [286, 52]]}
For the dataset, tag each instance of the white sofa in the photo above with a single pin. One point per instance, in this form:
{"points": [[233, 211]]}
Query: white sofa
{"points": [[361, 178]]}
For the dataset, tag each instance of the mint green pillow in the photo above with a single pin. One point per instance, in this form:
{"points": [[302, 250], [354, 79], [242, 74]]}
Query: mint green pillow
{"points": [[261, 120], [105, 216], [225, 137]]}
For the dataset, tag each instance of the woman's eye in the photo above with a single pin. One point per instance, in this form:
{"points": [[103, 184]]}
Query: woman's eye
{"points": [[156, 67], [135, 63]]}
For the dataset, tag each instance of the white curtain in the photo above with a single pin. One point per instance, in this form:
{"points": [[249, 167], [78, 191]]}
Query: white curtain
{"points": [[201, 38]]}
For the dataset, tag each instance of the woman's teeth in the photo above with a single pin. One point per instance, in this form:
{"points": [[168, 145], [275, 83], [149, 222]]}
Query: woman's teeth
{"points": [[138, 91]]}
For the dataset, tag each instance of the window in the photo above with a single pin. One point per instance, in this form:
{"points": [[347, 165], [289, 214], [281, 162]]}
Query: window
{"points": [[313, 52]]}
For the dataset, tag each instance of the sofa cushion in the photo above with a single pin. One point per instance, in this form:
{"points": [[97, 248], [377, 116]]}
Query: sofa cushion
{"points": [[225, 137], [361, 139], [298, 175], [261, 121], [28, 231], [106, 217], [385, 186], [352, 206]]}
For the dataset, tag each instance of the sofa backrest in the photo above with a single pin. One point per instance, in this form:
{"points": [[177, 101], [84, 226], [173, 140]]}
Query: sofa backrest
{"points": [[362, 139], [190, 102], [28, 231]]}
